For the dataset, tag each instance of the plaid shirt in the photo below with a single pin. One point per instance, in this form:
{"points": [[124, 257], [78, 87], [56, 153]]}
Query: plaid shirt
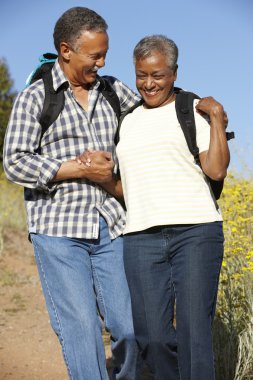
{"points": [[71, 207]]}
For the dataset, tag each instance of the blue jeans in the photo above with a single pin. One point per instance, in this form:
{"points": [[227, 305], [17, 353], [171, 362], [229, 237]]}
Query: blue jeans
{"points": [[168, 266], [84, 280]]}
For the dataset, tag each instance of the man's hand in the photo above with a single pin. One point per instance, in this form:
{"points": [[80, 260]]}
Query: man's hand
{"points": [[98, 165]]}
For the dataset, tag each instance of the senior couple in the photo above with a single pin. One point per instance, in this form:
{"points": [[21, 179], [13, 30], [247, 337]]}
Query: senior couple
{"points": [[172, 230]]}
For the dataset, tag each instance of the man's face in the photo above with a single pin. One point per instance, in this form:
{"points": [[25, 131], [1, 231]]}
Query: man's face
{"points": [[87, 57], [154, 79]]}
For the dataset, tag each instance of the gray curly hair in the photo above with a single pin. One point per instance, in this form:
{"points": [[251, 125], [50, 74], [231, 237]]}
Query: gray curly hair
{"points": [[157, 43]]}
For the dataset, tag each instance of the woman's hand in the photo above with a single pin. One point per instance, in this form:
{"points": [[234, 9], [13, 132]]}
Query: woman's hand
{"points": [[209, 106]]}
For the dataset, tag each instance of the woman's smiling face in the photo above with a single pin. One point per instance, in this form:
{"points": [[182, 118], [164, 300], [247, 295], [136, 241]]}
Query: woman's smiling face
{"points": [[155, 80]]}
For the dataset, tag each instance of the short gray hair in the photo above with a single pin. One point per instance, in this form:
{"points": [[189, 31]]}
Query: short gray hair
{"points": [[74, 22], [157, 43]]}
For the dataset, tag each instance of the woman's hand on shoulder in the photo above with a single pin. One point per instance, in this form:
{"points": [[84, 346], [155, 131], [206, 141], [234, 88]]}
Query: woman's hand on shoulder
{"points": [[211, 107]]}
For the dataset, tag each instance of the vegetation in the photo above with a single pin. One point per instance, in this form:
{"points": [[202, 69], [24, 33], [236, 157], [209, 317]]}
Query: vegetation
{"points": [[6, 101], [233, 328]]}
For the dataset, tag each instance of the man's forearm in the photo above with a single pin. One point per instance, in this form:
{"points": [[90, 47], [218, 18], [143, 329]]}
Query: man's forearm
{"points": [[97, 172], [70, 170]]}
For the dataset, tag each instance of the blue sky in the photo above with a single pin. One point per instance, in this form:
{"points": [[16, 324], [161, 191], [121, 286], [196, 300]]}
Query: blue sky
{"points": [[215, 40]]}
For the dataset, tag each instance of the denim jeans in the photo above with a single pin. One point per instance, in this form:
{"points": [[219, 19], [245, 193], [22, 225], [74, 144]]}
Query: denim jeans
{"points": [[175, 266], [84, 280]]}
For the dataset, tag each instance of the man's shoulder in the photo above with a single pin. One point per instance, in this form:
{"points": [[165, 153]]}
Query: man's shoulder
{"points": [[31, 97], [36, 89], [115, 82], [111, 79], [126, 95]]}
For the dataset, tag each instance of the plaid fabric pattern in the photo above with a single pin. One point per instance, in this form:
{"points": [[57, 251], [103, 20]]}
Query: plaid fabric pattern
{"points": [[67, 208]]}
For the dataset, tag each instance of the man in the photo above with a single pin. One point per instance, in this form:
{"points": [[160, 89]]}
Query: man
{"points": [[74, 225]]}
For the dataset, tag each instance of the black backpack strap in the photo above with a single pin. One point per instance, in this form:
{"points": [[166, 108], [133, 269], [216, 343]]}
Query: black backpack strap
{"points": [[110, 94], [230, 135], [185, 115], [53, 102]]}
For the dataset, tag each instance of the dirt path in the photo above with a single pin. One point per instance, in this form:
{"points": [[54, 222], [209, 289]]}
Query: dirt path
{"points": [[29, 350]]}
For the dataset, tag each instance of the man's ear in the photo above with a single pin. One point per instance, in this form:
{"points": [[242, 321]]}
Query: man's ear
{"points": [[65, 51]]}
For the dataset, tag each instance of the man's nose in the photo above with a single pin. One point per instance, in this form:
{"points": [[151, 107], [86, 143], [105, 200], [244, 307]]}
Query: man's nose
{"points": [[100, 62]]}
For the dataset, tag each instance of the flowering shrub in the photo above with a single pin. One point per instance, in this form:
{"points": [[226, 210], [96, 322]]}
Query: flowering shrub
{"points": [[234, 316]]}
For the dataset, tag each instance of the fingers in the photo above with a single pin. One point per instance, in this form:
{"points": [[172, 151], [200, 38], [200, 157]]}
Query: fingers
{"points": [[96, 160], [84, 158], [100, 156], [210, 106]]}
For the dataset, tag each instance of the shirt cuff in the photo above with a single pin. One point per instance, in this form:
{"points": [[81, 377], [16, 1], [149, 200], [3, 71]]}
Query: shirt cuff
{"points": [[48, 170]]}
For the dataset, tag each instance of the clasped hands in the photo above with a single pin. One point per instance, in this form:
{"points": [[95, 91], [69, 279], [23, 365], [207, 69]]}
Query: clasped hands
{"points": [[98, 164]]}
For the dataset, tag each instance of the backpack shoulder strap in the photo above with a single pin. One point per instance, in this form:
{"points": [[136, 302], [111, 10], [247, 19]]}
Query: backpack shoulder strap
{"points": [[53, 102], [185, 115], [110, 94]]}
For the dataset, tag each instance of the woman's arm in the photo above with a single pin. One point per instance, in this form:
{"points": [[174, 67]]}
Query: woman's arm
{"points": [[215, 160], [114, 187]]}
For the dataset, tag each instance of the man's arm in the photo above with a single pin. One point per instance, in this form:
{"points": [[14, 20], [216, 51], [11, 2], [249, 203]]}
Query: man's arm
{"points": [[22, 162], [127, 96], [99, 171]]}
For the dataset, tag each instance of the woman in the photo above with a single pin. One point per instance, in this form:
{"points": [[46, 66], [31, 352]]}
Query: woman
{"points": [[173, 239]]}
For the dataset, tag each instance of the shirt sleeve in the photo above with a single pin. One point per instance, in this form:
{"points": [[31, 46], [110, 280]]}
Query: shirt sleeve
{"points": [[127, 97], [202, 129], [22, 162]]}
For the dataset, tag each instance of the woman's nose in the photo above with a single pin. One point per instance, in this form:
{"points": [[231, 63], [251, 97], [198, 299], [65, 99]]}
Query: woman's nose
{"points": [[149, 83]]}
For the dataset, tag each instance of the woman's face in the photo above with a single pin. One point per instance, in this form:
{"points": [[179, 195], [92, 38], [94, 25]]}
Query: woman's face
{"points": [[154, 80]]}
